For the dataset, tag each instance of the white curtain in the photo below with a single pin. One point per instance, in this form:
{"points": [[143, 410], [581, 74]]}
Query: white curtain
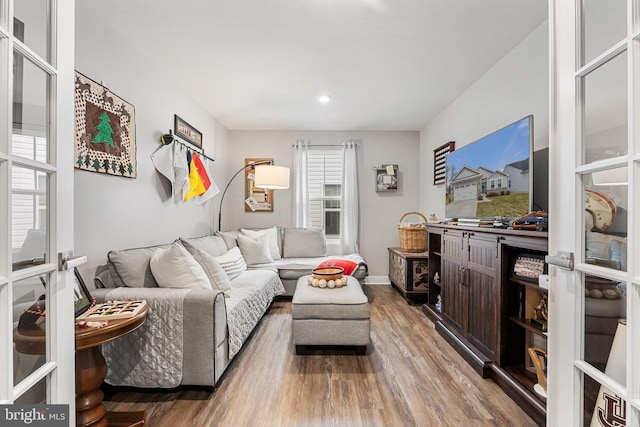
{"points": [[349, 214], [300, 202]]}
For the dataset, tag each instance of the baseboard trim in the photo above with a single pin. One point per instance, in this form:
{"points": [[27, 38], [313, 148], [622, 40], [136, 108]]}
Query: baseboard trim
{"points": [[377, 280]]}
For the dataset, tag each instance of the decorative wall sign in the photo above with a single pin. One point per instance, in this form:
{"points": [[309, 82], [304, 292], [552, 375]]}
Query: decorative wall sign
{"points": [[105, 131], [187, 132], [256, 199], [439, 162]]}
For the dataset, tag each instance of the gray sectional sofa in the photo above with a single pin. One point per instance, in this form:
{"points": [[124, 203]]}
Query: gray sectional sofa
{"points": [[192, 333]]}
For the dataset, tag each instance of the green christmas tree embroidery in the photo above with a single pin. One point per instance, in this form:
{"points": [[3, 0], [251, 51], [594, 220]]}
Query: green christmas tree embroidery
{"points": [[96, 164], [79, 161], [121, 169], [114, 166], [87, 161], [130, 169], [104, 130], [105, 165]]}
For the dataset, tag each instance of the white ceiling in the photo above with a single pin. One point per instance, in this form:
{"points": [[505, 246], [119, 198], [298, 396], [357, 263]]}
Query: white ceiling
{"points": [[387, 64]]}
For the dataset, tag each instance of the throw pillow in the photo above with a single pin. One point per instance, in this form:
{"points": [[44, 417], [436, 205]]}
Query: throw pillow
{"points": [[132, 267], [232, 263], [348, 266], [213, 245], [272, 235], [217, 276], [255, 250], [304, 243], [174, 267], [229, 237]]}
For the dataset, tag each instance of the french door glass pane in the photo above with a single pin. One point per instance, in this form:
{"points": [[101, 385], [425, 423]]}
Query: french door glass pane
{"points": [[606, 223], [604, 24], [30, 112], [27, 356], [601, 406], [31, 25], [28, 217], [605, 111], [37, 395]]}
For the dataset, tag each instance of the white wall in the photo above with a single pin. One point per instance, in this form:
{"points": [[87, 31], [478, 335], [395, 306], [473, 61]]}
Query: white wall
{"points": [[113, 212], [516, 86], [379, 212]]}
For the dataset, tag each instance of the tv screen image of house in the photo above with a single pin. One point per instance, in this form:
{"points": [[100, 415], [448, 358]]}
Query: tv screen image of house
{"points": [[491, 177]]}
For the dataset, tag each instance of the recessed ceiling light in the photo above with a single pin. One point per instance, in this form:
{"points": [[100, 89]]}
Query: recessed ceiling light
{"points": [[324, 99]]}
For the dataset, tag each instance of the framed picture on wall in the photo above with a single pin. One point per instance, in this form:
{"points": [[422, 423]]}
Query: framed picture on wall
{"points": [[256, 199], [386, 177]]}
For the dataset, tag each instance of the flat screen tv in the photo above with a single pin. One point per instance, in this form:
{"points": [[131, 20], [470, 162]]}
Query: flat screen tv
{"points": [[491, 177]]}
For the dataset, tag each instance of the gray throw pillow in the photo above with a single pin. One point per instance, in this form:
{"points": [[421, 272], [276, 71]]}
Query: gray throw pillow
{"points": [[255, 250], [217, 276], [213, 245], [303, 243], [132, 266]]}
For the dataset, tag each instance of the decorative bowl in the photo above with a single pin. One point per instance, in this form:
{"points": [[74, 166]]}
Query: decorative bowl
{"points": [[328, 273]]}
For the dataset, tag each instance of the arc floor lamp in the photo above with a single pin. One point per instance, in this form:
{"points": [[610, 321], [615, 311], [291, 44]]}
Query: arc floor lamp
{"points": [[267, 175]]}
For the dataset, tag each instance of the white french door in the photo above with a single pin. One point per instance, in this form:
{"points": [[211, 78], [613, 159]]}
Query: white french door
{"points": [[594, 339], [36, 196]]}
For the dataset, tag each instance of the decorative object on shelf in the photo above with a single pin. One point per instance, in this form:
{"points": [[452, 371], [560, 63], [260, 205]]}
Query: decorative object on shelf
{"points": [[439, 162], [327, 278], [610, 408], [263, 172], [601, 207], [537, 221], [539, 359], [386, 177], [540, 313], [105, 130], [439, 303], [187, 132], [528, 267], [413, 235], [112, 310]]}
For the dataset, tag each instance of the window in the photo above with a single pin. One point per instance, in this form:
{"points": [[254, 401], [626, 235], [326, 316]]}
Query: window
{"points": [[325, 189]]}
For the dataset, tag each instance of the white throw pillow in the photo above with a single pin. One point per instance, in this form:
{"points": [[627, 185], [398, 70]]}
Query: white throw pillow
{"points": [[232, 263], [174, 267], [271, 233], [217, 276], [255, 250]]}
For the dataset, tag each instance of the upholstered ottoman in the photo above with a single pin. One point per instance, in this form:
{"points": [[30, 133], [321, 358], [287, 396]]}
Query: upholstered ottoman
{"points": [[323, 316]]}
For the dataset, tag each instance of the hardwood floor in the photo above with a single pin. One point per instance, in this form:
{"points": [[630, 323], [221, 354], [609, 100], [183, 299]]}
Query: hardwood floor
{"points": [[409, 377]]}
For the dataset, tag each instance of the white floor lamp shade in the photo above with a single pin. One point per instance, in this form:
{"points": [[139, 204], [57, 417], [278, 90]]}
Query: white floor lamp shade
{"points": [[271, 177]]}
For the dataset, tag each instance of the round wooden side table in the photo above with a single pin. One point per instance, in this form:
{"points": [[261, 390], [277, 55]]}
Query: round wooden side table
{"points": [[91, 368]]}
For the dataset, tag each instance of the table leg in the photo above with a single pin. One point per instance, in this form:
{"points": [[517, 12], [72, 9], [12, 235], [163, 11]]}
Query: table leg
{"points": [[90, 372]]}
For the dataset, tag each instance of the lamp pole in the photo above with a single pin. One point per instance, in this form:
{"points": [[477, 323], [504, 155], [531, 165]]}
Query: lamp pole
{"points": [[251, 165]]}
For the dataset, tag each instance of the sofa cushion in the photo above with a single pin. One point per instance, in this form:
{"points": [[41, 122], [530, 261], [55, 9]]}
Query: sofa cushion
{"points": [[132, 266], [272, 236], [232, 263], [229, 238], [212, 268], [174, 267], [213, 245], [303, 242], [255, 250]]}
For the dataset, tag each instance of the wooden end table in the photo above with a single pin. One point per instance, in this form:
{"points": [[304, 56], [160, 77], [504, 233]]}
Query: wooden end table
{"points": [[91, 368]]}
